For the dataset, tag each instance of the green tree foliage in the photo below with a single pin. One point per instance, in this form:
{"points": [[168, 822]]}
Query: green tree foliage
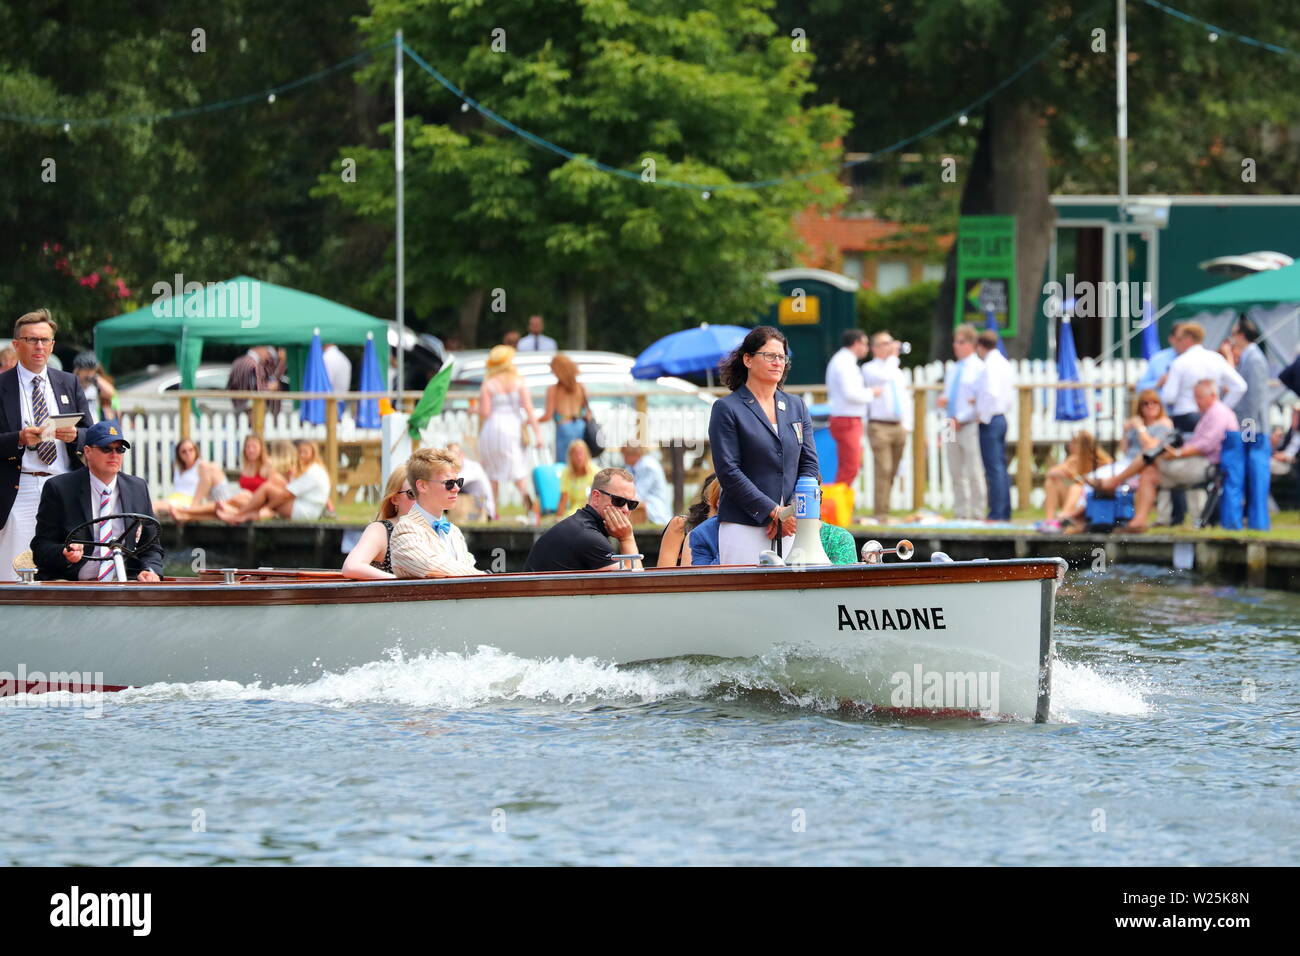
{"points": [[208, 196], [701, 96], [1197, 107]]}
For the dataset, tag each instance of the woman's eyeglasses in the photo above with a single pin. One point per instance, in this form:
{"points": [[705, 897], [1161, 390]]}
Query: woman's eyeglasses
{"points": [[773, 358], [409, 492], [618, 501]]}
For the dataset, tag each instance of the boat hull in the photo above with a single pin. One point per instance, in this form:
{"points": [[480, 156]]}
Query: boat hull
{"points": [[970, 637]]}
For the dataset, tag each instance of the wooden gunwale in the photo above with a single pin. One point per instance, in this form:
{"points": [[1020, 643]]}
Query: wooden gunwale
{"points": [[317, 589]]}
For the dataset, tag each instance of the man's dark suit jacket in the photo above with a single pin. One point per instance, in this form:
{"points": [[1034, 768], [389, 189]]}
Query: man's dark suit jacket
{"points": [[65, 503], [757, 467], [65, 384]]}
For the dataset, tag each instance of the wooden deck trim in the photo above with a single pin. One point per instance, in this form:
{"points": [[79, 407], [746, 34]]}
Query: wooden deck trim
{"points": [[195, 592]]}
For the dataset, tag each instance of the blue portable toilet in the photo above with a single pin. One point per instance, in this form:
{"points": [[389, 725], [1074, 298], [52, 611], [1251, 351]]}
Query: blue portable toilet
{"points": [[815, 309]]}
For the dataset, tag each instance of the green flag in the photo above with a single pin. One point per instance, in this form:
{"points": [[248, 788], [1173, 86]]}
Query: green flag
{"points": [[430, 403]]}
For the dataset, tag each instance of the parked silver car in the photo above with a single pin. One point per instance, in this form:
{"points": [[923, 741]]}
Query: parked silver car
{"points": [[147, 390]]}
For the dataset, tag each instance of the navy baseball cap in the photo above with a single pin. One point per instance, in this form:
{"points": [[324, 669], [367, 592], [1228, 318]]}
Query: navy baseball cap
{"points": [[105, 433]]}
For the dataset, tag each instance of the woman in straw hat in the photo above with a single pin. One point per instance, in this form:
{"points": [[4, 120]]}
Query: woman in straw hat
{"points": [[505, 409]]}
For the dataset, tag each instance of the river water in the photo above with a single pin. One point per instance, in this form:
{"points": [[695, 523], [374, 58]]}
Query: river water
{"points": [[1173, 740]]}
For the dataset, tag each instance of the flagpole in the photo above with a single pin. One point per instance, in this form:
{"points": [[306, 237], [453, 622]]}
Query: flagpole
{"points": [[399, 110], [1121, 109]]}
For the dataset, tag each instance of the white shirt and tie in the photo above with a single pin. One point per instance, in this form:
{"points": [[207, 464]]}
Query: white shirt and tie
{"points": [[893, 404], [103, 501], [995, 388], [847, 395], [534, 342], [31, 460], [1194, 365], [16, 533]]}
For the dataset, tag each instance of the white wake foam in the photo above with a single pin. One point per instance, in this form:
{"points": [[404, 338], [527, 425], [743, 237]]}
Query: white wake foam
{"points": [[455, 681], [1077, 688]]}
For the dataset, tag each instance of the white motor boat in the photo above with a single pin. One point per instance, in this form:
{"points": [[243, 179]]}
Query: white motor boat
{"points": [[971, 638]]}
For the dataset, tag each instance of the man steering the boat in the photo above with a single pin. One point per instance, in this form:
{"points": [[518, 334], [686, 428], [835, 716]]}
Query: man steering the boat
{"points": [[76, 498], [424, 543], [581, 541]]}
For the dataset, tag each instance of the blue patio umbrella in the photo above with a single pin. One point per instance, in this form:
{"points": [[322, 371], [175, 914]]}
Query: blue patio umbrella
{"points": [[371, 381], [689, 351], [1071, 404], [991, 322], [1150, 330], [315, 379]]}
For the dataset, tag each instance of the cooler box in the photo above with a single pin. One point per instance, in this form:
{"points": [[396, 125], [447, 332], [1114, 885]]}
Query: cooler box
{"points": [[837, 504], [546, 479], [828, 457], [1105, 510]]}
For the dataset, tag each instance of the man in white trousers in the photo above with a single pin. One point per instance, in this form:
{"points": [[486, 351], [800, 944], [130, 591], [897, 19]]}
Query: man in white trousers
{"points": [[31, 452]]}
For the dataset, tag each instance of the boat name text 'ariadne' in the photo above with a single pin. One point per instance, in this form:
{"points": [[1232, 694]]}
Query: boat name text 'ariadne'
{"points": [[895, 619]]}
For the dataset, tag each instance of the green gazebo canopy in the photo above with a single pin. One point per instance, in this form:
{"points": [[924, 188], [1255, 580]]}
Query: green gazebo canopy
{"points": [[1264, 289], [239, 311]]}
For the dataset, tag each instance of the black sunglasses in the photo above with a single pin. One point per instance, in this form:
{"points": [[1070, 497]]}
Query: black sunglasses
{"points": [[618, 501], [110, 449], [449, 484]]}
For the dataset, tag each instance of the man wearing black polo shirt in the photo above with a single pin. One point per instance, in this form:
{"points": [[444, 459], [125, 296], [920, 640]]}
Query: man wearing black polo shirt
{"points": [[581, 541]]}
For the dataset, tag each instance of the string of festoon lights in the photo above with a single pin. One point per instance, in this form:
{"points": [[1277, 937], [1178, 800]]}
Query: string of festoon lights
{"points": [[960, 117]]}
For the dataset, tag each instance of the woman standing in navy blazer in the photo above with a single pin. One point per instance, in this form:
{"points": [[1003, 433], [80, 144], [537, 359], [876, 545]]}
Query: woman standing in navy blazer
{"points": [[762, 442]]}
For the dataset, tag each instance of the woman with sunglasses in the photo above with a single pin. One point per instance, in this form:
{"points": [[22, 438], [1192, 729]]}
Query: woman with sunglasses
{"points": [[424, 543], [1142, 433], [371, 557], [762, 440]]}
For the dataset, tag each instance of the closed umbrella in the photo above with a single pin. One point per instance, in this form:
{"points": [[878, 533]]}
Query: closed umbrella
{"points": [[371, 381], [1071, 405], [315, 379], [991, 322], [689, 352], [1150, 330]]}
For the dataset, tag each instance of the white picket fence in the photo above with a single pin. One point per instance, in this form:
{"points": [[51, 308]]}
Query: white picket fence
{"points": [[219, 436]]}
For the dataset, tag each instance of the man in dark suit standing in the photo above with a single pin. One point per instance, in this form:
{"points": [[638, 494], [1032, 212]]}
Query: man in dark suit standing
{"points": [[97, 490], [30, 394]]}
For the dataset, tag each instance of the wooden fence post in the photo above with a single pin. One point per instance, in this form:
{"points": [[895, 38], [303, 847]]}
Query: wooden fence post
{"points": [[259, 417], [1025, 448], [642, 419], [185, 417], [332, 442]]}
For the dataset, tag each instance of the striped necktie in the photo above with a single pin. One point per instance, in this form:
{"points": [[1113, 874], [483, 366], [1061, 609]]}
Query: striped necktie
{"points": [[107, 569], [41, 413]]}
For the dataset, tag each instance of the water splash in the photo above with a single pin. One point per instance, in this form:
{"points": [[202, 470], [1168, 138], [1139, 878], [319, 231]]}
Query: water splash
{"points": [[454, 681], [1080, 688]]}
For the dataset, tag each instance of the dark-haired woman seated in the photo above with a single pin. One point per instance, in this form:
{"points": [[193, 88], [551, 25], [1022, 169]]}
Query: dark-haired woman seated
{"points": [[675, 543]]}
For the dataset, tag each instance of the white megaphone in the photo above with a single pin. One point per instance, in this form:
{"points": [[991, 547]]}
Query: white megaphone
{"points": [[807, 548]]}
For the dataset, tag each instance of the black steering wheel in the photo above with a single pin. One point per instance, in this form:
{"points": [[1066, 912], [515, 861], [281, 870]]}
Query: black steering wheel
{"points": [[130, 542]]}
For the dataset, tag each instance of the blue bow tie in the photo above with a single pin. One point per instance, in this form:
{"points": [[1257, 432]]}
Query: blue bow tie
{"points": [[441, 525]]}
